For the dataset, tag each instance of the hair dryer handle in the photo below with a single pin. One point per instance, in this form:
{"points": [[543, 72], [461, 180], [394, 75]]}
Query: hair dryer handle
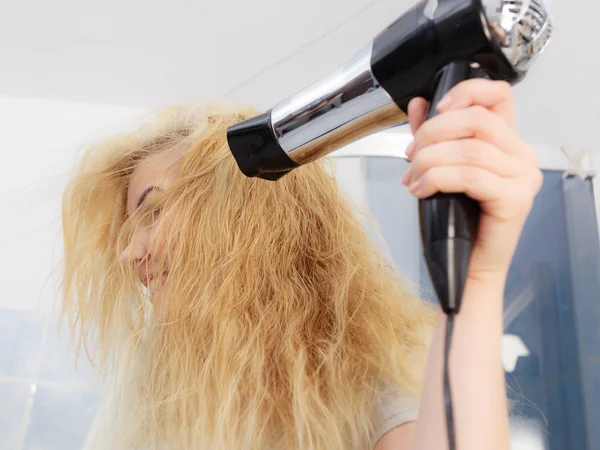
{"points": [[449, 222]]}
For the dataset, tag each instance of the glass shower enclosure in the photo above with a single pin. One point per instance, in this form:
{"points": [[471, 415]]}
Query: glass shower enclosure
{"points": [[551, 350]]}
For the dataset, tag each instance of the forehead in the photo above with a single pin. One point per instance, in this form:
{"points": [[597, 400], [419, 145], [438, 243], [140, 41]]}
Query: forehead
{"points": [[156, 170]]}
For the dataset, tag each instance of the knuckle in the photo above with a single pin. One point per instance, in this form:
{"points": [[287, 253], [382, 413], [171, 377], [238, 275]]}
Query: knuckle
{"points": [[416, 164], [471, 176], [479, 111], [470, 152], [478, 116], [424, 132], [419, 158], [504, 87], [433, 176]]}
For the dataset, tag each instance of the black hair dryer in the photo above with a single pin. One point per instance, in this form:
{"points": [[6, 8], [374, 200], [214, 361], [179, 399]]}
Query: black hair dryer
{"points": [[425, 52]]}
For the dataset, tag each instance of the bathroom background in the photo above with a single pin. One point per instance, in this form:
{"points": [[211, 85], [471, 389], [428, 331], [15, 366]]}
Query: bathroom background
{"points": [[69, 70]]}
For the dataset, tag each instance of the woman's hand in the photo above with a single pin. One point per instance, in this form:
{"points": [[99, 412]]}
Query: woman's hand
{"points": [[472, 147]]}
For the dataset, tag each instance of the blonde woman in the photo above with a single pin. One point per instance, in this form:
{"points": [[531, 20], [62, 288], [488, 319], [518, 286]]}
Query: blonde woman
{"points": [[236, 313]]}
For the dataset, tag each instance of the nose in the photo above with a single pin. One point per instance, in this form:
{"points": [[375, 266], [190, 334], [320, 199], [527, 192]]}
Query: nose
{"points": [[136, 251]]}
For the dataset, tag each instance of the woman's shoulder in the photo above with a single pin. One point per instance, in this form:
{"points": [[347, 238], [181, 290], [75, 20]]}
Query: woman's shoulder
{"points": [[394, 408]]}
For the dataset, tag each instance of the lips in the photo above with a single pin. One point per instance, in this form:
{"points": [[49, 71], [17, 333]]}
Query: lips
{"points": [[164, 274], [147, 279]]}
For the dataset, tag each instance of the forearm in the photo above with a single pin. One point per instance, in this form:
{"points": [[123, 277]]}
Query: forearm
{"points": [[476, 375]]}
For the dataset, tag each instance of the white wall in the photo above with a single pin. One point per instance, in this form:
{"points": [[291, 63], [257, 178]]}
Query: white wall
{"points": [[46, 402], [143, 53], [38, 145]]}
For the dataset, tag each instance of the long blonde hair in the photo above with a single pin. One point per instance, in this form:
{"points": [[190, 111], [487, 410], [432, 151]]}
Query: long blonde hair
{"points": [[284, 325]]}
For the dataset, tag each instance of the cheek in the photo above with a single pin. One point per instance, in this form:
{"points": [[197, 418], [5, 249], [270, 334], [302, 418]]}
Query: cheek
{"points": [[162, 238]]}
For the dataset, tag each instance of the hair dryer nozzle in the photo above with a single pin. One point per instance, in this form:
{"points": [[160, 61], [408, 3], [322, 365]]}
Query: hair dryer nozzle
{"points": [[256, 151], [522, 29]]}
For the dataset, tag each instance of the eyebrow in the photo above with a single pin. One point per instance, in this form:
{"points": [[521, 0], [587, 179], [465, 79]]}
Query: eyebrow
{"points": [[145, 194]]}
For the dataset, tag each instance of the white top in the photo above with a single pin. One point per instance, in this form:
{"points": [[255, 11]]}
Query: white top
{"points": [[393, 411]]}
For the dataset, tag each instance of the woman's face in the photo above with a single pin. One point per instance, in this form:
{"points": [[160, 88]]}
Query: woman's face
{"points": [[151, 176]]}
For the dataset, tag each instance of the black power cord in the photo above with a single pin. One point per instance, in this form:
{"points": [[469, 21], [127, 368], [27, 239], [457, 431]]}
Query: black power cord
{"points": [[447, 392]]}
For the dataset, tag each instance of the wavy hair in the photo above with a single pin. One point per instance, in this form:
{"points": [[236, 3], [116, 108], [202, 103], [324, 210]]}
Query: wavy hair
{"points": [[284, 322]]}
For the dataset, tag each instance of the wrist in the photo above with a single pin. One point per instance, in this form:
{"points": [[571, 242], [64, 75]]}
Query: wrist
{"points": [[483, 296], [496, 277], [490, 265]]}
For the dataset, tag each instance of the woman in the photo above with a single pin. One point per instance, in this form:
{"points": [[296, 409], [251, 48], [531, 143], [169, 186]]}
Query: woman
{"points": [[274, 321]]}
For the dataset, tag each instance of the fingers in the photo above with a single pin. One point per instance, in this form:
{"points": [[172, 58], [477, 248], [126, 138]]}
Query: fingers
{"points": [[472, 146], [463, 152], [417, 112], [475, 122], [476, 182], [504, 198], [493, 95], [473, 181]]}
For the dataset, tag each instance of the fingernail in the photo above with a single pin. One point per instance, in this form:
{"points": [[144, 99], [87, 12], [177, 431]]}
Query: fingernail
{"points": [[406, 177], [410, 149], [414, 186], [444, 102]]}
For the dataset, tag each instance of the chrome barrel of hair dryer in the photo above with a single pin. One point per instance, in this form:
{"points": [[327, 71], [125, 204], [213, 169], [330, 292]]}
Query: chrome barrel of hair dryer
{"points": [[425, 52]]}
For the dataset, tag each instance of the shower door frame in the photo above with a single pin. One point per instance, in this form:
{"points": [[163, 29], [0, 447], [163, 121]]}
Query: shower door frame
{"points": [[392, 142]]}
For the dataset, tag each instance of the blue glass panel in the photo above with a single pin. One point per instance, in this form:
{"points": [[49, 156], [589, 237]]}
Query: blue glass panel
{"points": [[552, 301]]}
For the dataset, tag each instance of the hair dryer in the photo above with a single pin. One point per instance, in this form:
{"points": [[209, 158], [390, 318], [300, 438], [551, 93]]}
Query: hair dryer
{"points": [[425, 52]]}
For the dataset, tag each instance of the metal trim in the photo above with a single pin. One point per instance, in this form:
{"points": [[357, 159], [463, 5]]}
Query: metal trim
{"points": [[334, 111], [391, 144]]}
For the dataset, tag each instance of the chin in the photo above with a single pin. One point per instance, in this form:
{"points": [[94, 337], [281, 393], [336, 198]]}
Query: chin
{"points": [[159, 307]]}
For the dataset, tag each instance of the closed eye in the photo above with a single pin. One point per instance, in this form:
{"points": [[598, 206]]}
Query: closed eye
{"points": [[145, 194]]}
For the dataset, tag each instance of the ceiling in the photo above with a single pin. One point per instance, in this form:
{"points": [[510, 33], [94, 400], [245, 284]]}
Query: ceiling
{"points": [[143, 53]]}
